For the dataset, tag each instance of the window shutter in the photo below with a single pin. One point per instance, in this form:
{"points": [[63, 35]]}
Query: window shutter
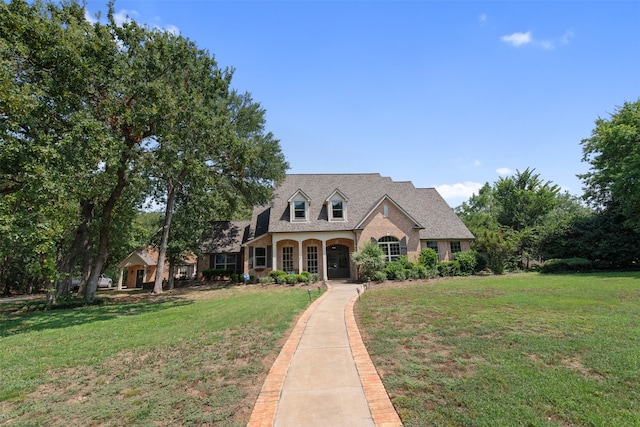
{"points": [[403, 246], [212, 258], [269, 256], [373, 240], [250, 256]]}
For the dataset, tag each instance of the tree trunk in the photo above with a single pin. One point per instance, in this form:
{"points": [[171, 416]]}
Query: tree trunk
{"points": [[172, 276], [79, 246], [162, 251], [105, 230]]}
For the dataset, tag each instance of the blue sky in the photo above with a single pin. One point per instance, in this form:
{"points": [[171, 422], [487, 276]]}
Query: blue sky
{"points": [[446, 94]]}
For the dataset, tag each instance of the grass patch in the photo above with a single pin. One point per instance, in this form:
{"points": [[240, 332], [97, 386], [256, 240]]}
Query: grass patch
{"points": [[195, 356], [514, 350]]}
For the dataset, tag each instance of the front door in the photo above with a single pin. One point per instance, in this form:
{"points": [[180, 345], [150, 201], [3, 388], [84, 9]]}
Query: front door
{"points": [[338, 262], [139, 278]]}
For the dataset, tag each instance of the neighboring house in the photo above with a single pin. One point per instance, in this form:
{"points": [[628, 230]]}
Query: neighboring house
{"points": [[316, 221], [141, 264]]}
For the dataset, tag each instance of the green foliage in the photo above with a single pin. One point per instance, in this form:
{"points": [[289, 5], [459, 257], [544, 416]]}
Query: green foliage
{"points": [[449, 268], [567, 265], [368, 259], [467, 260], [379, 276], [613, 152], [292, 279], [418, 272], [428, 258], [496, 249], [264, 280]]}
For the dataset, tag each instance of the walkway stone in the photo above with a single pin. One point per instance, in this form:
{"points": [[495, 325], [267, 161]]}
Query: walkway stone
{"points": [[323, 375]]}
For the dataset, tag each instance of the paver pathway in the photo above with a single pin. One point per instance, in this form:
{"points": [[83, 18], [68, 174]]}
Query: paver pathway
{"points": [[323, 375]]}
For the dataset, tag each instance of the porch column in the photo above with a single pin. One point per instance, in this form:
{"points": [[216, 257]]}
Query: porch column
{"points": [[274, 253], [300, 269], [120, 279], [325, 270]]}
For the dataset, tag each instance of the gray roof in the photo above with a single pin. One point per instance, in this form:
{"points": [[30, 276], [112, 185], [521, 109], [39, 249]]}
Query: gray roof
{"points": [[226, 237], [436, 219]]}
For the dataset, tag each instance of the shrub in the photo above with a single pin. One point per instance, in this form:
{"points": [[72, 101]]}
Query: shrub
{"points": [[428, 258], [566, 265], [235, 277], [449, 268], [278, 276], [369, 259], [418, 272], [467, 260], [305, 276], [393, 270], [379, 276], [292, 279], [265, 280], [315, 277]]}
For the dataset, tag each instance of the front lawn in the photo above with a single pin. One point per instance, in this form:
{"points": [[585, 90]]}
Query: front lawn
{"points": [[194, 357], [527, 349]]}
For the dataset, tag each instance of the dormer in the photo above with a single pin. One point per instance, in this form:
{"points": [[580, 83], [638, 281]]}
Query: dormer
{"points": [[337, 206], [299, 207]]}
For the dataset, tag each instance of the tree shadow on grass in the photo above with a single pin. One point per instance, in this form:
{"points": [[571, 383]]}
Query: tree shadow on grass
{"points": [[23, 318]]}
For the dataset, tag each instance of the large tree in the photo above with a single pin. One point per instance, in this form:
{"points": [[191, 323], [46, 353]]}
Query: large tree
{"points": [[613, 151], [95, 116]]}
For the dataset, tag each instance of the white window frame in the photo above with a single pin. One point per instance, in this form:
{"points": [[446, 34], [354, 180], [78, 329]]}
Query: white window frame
{"points": [[312, 259], [287, 258], [256, 257], [388, 244]]}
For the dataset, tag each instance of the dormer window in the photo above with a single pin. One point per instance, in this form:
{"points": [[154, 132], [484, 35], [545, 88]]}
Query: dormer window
{"points": [[299, 211], [337, 206], [336, 209], [299, 207]]}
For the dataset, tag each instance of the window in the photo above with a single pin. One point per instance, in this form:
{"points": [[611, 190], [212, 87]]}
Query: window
{"points": [[312, 259], [455, 247], [260, 258], [433, 245], [336, 209], [386, 211], [299, 211], [287, 258], [223, 261], [391, 248]]}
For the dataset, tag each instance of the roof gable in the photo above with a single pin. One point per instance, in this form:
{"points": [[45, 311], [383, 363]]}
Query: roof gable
{"points": [[386, 198]]}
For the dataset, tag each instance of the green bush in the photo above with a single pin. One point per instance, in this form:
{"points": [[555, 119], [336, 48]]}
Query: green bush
{"points": [[467, 260], [395, 271], [428, 258], [276, 273], [292, 279], [306, 277], [368, 259], [235, 278], [566, 265], [379, 276], [449, 268], [418, 272], [265, 280], [315, 277]]}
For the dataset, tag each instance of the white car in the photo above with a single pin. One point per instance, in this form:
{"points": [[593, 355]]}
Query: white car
{"points": [[105, 282]]}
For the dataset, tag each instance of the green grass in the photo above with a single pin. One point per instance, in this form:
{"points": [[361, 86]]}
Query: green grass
{"points": [[514, 350], [190, 358]]}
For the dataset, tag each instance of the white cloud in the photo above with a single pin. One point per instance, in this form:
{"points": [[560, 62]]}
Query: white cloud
{"points": [[90, 18], [566, 37], [460, 190], [504, 171], [483, 18], [124, 16], [518, 39], [477, 163]]}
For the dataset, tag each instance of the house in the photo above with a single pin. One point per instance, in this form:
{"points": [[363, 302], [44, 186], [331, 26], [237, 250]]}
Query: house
{"points": [[316, 221], [140, 266]]}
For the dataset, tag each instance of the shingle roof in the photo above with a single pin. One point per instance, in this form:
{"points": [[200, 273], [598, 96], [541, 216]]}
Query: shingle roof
{"points": [[363, 192], [226, 237]]}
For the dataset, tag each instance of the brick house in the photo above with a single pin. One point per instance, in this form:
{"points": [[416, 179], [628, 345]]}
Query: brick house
{"points": [[316, 221]]}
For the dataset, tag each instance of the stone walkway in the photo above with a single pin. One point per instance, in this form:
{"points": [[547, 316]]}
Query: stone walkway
{"points": [[323, 375]]}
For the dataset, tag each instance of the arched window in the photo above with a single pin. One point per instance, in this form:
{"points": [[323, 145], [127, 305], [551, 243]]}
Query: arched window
{"points": [[391, 247]]}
